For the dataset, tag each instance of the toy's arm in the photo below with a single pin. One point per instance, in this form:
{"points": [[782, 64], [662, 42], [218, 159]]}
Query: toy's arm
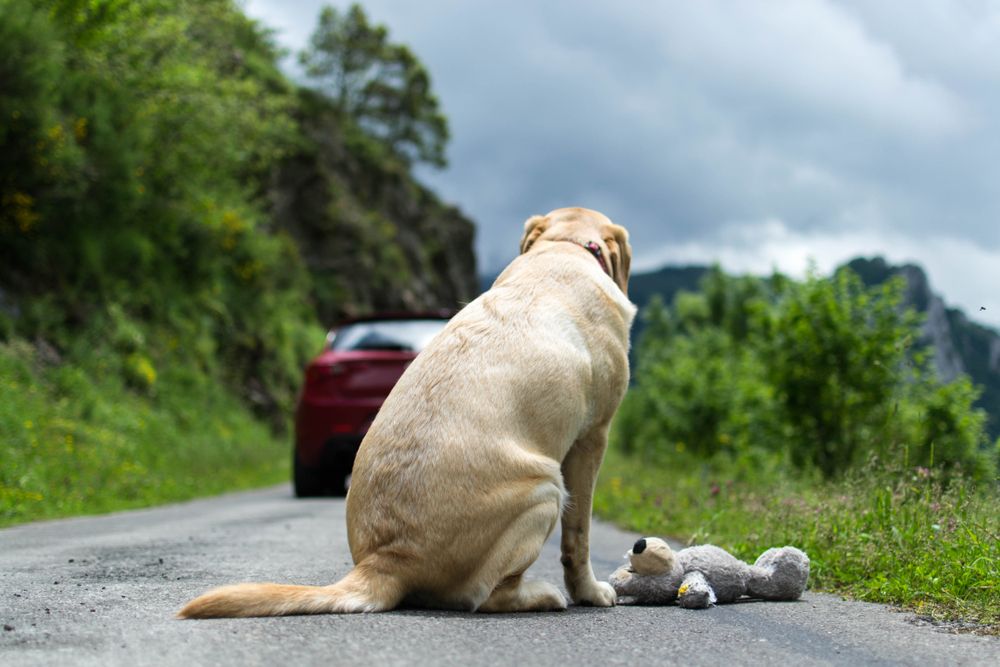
{"points": [[625, 582], [644, 588], [695, 591]]}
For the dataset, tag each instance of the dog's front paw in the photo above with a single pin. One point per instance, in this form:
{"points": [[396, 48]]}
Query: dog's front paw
{"points": [[595, 594]]}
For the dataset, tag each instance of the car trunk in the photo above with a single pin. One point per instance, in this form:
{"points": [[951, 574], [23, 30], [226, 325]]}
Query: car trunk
{"points": [[372, 376]]}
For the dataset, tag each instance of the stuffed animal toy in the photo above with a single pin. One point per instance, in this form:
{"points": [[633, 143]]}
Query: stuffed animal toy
{"points": [[698, 577]]}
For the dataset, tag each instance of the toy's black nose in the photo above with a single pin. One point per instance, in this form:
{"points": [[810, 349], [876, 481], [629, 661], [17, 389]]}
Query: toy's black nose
{"points": [[639, 546]]}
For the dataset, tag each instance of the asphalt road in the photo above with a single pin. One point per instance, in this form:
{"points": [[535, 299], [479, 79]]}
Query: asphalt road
{"points": [[103, 591]]}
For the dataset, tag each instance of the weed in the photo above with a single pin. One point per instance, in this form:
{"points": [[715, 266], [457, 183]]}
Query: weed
{"points": [[78, 439], [884, 533]]}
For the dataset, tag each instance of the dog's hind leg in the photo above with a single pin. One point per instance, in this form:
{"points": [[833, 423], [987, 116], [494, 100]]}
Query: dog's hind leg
{"points": [[516, 550], [518, 594]]}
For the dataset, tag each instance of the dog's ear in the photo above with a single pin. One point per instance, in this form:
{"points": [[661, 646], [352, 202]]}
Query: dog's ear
{"points": [[621, 256], [534, 227]]}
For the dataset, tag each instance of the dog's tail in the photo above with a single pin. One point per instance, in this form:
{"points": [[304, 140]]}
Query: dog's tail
{"points": [[358, 592]]}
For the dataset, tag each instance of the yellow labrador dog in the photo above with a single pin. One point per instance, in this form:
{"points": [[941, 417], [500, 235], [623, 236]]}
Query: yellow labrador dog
{"points": [[494, 432]]}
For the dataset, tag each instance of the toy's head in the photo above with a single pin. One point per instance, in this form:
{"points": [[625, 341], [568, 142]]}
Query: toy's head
{"points": [[651, 555]]}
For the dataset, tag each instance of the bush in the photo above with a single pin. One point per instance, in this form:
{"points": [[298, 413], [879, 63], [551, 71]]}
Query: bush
{"points": [[819, 374], [141, 140]]}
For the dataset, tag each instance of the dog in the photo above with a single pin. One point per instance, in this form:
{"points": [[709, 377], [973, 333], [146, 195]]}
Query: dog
{"points": [[495, 431]]}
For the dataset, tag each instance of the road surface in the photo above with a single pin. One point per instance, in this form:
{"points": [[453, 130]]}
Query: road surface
{"points": [[103, 591]]}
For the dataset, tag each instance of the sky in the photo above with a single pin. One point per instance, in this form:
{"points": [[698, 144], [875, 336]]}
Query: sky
{"points": [[762, 134]]}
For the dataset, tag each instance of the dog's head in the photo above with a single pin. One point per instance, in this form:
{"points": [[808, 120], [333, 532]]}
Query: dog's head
{"points": [[583, 226]]}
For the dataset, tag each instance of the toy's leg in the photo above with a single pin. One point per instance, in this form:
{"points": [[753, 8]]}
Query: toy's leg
{"points": [[579, 475], [779, 574], [695, 592], [624, 582]]}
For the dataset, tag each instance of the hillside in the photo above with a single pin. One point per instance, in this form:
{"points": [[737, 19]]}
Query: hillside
{"points": [[240, 212], [959, 345], [179, 223], [371, 236]]}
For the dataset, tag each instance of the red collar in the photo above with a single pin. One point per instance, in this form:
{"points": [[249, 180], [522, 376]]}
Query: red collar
{"points": [[595, 250]]}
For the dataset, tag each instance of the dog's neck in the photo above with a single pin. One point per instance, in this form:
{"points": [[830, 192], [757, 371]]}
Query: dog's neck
{"points": [[594, 249]]}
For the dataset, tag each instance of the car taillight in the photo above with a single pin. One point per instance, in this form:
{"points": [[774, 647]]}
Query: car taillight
{"points": [[318, 373], [322, 375]]}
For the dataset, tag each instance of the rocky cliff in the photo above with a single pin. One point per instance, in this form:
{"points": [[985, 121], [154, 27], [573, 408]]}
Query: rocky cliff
{"points": [[372, 237]]}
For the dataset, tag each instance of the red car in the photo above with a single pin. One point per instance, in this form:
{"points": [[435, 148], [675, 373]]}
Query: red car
{"points": [[344, 389]]}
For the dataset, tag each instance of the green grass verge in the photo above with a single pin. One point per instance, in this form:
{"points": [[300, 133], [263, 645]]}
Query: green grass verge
{"points": [[80, 437], [884, 534]]}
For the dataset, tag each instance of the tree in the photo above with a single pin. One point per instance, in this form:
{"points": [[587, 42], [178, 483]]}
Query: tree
{"points": [[381, 86], [838, 359]]}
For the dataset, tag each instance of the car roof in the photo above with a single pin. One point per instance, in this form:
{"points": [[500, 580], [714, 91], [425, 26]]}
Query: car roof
{"points": [[440, 314]]}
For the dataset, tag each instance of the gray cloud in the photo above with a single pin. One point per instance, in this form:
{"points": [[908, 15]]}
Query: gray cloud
{"points": [[768, 131]]}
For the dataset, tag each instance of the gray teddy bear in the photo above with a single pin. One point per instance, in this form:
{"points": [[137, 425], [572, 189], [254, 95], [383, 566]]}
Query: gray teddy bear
{"points": [[698, 577]]}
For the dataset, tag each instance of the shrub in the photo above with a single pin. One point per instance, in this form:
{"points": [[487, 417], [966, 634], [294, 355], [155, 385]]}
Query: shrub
{"points": [[820, 373]]}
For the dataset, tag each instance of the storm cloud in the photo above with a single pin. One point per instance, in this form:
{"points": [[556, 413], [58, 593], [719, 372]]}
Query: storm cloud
{"points": [[759, 134]]}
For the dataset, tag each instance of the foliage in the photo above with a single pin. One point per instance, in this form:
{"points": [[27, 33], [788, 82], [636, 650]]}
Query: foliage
{"points": [[141, 147], [381, 86], [971, 347], [819, 374], [955, 337], [885, 532], [371, 236], [143, 135], [175, 218], [837, 356]]}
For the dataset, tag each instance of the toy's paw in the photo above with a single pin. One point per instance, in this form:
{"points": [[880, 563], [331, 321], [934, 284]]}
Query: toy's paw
{"points": [[624, 582], [595, 594], [622, 576], [779, 574], [694, 598]]}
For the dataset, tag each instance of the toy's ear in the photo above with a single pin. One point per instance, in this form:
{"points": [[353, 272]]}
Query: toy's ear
{"points": [[651, 555]]}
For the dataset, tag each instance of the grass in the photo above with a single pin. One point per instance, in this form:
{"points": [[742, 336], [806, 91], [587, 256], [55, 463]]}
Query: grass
{"points": [[903, 536], [100, 432]]}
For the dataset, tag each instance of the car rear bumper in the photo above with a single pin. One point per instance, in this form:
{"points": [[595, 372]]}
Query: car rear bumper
{"points": [[330, 431], [338, 453]]}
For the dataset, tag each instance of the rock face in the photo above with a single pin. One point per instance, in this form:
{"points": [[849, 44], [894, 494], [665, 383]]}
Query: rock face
{"points": [[937, 328], [372, 237]]}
